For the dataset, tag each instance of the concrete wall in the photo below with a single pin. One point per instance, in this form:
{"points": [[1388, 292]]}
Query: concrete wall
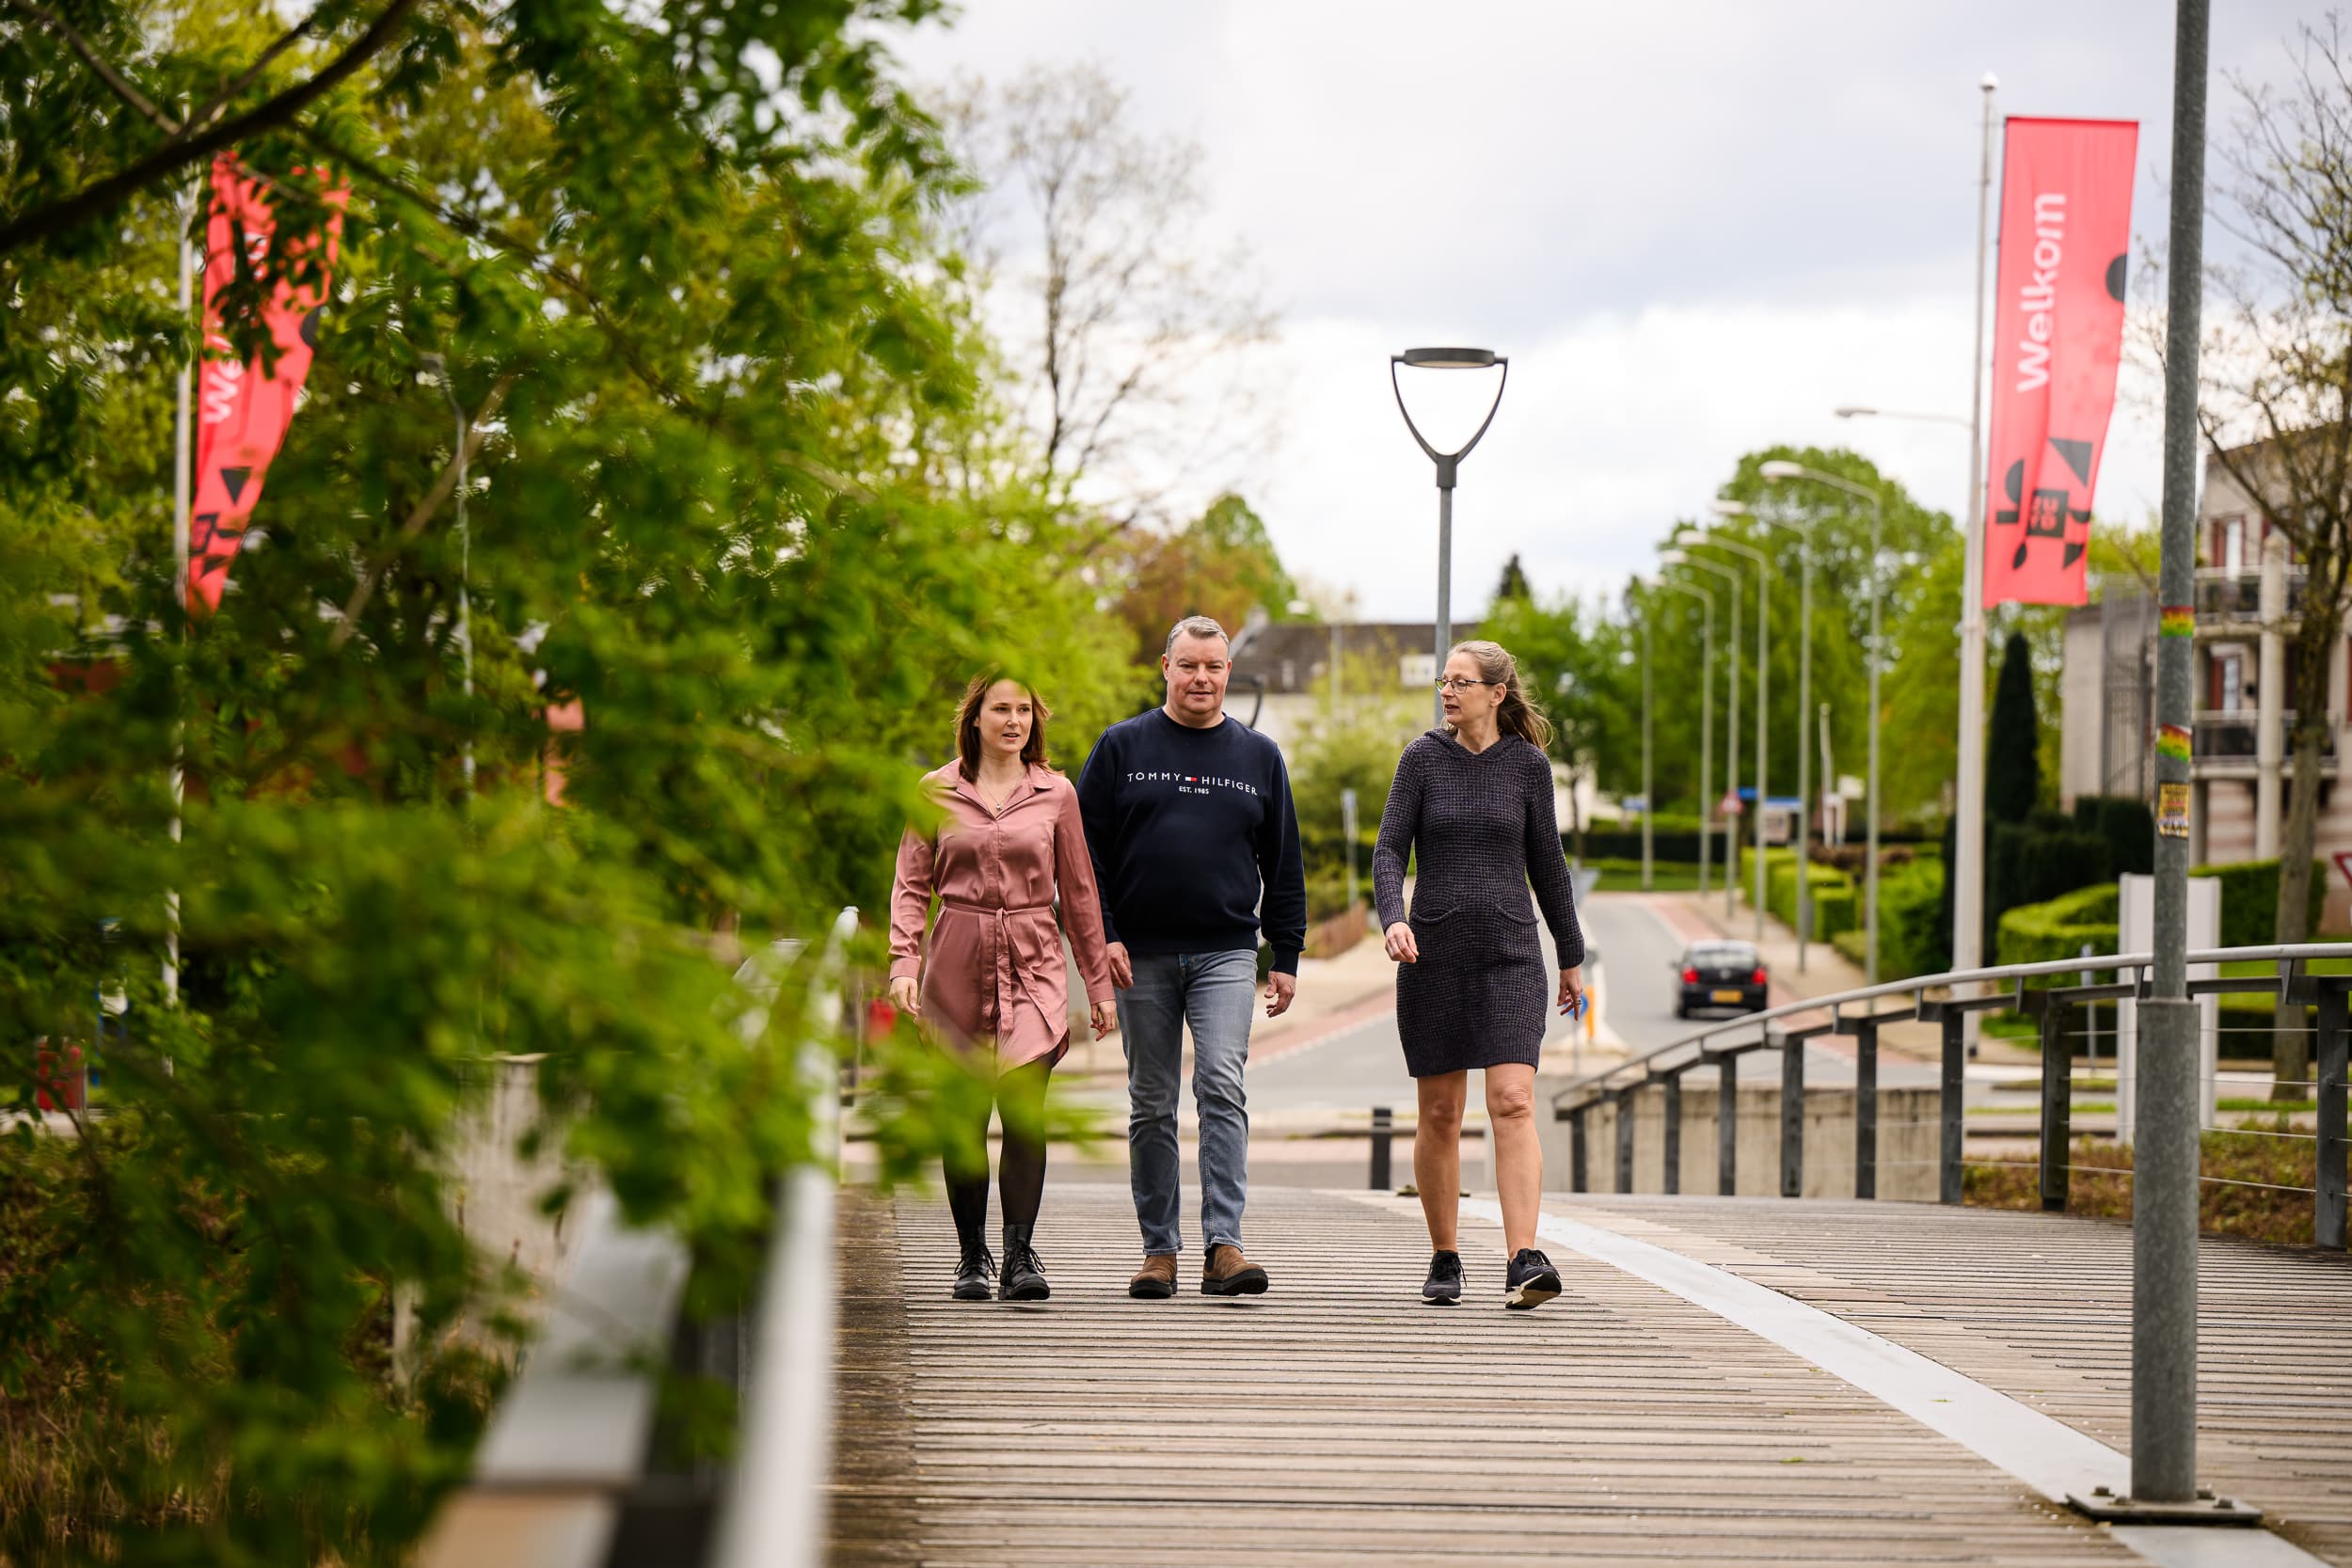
{"points": [[2082, 711], [1907, 1152]]}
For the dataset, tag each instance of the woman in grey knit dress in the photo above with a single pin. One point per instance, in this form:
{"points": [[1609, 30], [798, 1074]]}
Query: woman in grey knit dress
{"points": [[1472, 807]]}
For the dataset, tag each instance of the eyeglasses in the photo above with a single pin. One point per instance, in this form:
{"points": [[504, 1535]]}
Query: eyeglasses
{"points": [[1455, 683]]}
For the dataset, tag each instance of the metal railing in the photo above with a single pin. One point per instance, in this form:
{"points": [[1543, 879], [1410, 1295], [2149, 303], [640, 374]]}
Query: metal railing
{"points": [[2236, 596], [570, 1474], [1946, 1000], [2234, 735]]}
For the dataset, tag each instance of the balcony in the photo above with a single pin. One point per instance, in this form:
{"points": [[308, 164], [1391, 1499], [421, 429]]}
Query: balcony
{"points": [[2223, 744], [2228, 604]]}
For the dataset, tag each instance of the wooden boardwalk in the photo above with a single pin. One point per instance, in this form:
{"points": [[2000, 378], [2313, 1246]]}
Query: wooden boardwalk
{"points": [[1337, 1420]]}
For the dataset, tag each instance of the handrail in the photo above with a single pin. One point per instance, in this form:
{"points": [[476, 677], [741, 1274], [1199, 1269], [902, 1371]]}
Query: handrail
{"points": [[565, 1459], [1665, 1067], [1918, 985]]}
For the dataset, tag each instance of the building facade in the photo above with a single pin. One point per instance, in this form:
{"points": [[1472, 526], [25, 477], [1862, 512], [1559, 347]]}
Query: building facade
{"points": [[2241, 731]]}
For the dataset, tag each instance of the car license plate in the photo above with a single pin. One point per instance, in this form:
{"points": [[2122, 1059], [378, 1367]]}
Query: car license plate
{"points": [[1727, 996]]}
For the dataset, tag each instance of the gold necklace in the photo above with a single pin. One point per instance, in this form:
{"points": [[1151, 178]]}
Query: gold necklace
{"points": [[996, 807]]}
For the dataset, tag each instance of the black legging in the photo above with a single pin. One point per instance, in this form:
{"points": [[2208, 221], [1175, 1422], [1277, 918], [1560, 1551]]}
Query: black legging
{"points": [[1019, 1170]]}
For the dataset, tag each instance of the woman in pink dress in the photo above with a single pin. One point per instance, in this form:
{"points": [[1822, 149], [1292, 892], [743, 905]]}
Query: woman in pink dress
{"points": [[992, 980]]}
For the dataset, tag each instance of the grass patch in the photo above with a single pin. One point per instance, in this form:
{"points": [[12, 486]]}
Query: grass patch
{"points": [[2266, 1106], [2227, 1206]]}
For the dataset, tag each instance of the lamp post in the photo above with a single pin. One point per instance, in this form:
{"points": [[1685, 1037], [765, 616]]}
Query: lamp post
{"points": [[1690, 538], [1804, 706], [1877, 498], [1447, 462], [1637, 593], [1707, 708], [1680, 557]]}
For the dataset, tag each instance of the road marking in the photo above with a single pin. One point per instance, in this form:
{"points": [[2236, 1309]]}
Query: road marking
{"points": [[2040, 1450]]}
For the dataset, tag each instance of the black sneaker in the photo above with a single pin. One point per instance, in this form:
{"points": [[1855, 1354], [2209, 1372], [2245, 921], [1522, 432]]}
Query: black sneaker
{"points": [[1443, 1288], [1024, 1274], [975, 1272], [1531, 1282]]}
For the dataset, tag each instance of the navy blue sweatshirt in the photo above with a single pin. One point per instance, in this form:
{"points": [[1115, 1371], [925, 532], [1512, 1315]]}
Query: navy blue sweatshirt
{"points": [[1186, 827]]}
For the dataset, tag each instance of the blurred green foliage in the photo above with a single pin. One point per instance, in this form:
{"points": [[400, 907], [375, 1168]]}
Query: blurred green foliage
{"points": [[739, 499]]}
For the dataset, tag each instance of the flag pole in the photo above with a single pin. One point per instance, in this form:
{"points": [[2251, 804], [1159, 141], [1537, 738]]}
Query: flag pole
{"points": [[1968, 870], [182, 435]]}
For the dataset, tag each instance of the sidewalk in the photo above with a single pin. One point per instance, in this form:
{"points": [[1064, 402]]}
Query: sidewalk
{"points": [[1334, 995]]}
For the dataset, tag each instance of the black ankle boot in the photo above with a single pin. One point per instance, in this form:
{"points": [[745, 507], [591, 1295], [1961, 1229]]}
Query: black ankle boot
{"points": [[974, 1272], [1023, 1278]]}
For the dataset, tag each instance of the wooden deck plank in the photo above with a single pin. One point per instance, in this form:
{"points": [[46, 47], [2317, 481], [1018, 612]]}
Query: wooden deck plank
{"points": [[1337, 1420]]}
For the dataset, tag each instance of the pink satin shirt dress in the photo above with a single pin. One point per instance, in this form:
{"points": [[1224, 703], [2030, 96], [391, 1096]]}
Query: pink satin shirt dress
{"points": [[994, 971]]}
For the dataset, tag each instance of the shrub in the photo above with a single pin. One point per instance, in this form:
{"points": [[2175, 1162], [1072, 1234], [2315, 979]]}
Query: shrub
{"points": [[1625, 842], [2249, 900], [2127, 825], [1909, 938], [2057, 928]]}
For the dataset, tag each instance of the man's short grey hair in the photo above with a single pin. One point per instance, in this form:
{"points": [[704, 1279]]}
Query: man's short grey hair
{"points": [[1197, 625]]}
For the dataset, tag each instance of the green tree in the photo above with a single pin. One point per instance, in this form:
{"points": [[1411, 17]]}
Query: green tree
{"points": [[2013, 752], [1222, 564], [672, 265]]}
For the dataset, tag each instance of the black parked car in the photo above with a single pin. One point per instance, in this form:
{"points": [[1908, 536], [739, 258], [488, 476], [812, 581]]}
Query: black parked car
{"points": [[1712, 974]]}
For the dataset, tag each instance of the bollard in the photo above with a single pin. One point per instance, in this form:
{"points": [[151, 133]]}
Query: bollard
{"points": [[1792, 1119], [1866, 1108], [1576, 1182], [1383, 1127], [1727, 1127], [1953, 1132], [2328, 1208], [1625, 1140], [1673, 1178], [2057, 1104]]}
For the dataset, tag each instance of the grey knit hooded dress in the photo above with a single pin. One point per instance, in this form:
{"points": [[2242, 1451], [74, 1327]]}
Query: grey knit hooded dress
{"points": [[1481, 827]]}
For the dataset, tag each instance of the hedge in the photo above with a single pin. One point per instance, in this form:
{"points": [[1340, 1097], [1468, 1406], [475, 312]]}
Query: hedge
{"points": [[2057, 928], [2127, 825], [2249, 900], [1618, 844]]}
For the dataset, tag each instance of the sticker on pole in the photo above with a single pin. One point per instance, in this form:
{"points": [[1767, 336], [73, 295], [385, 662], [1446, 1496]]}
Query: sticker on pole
{"points": [[2171, 811]]}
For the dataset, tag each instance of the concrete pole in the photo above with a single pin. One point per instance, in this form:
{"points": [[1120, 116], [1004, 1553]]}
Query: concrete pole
{"points": [[1805, 752], [1731, 703], [1870, 866], [2165, 1185], [1968, 870], [2271, 698], [1445, 585], [1649, 805]]}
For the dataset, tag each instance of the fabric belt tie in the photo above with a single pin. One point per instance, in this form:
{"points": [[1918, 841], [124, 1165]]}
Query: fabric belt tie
{"points": [[1002, 970]]}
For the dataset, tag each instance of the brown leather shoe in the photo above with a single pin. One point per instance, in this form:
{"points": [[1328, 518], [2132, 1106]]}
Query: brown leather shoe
{"points": [[1226, 1272], [1156, 1279]]}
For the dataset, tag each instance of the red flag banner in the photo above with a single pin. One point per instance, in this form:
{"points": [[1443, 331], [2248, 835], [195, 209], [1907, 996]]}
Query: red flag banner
{"points": [[243, 409], [2058, 334]]}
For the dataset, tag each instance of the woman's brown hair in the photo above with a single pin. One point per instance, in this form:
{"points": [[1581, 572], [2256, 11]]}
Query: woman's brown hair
{"points": [[968, 722], [1518, 716]]}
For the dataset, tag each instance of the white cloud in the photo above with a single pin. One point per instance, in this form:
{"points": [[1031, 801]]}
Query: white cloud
{"points": [[1696, 228]]}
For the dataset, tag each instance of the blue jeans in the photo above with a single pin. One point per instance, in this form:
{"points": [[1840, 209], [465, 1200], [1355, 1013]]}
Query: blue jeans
{"points": [[1214, 992]]}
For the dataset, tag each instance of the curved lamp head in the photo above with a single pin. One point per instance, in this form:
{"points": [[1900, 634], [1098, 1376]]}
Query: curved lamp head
{"points": [[1449, 359], [1685, 537], [1672, 557], [1852, 411], [1780, 468], [1730, 509]]}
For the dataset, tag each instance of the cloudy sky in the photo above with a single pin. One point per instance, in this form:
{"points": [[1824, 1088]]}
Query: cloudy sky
{"points": [[1696, 228]]}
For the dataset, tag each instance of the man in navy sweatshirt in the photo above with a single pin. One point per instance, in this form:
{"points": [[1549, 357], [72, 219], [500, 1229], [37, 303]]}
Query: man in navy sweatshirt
{"points": [[1195, 842]]}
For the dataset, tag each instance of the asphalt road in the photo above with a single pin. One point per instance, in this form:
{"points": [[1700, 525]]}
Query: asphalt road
{"points": [[1635, 972]]}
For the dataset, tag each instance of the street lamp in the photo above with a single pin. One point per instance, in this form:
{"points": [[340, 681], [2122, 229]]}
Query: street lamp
{"points": [[1707, 706], [1680, 557], [1778, 470], [1447, 359], [1804, 531], [1856, 411], [1637, 592], [1698, 536]]}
